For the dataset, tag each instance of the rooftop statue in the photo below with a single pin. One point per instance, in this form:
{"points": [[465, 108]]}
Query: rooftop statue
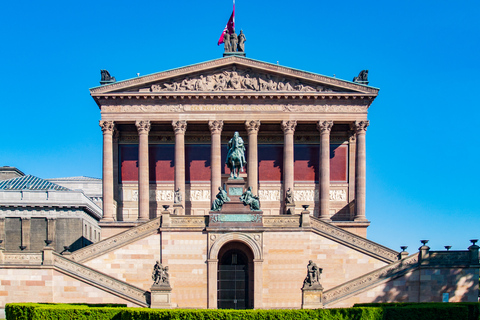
{"points": [[106, 77], [235, 155], [241, 41], [362, 77], [220, 199]]}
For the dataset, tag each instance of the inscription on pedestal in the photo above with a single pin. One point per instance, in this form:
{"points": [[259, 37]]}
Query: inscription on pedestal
{"points": [[235, 191], [219, 218]]}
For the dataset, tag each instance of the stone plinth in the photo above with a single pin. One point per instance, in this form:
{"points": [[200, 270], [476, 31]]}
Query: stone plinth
{"points": [[312, 297], [235, 188], [161, 297], [177, 208]]}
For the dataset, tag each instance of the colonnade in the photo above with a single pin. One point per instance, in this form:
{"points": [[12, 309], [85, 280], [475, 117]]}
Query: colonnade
{"points": [[216, 127]]}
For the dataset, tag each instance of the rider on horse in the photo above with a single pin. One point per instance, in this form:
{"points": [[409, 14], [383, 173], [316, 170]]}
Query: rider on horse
{"points": [[235, 155]]}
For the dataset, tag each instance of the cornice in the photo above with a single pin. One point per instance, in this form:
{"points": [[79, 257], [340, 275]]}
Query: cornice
{"points": [[245, 62]]}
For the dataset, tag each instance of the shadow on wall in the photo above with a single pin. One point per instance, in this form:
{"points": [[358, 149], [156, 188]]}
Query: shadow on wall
{"points": [[428, 284]]}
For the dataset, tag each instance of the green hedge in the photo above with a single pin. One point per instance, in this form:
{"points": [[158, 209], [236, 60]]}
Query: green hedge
{"points": [[29, 311], [378, 311]]}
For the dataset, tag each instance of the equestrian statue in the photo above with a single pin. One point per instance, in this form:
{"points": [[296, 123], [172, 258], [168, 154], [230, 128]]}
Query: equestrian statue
{"points": [[235, 156]]}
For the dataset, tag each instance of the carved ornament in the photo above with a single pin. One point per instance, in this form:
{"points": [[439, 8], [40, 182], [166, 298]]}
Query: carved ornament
{"points": [[179, 126], [107, 126], [237, 80], [269, 195], [252, 126], [361, 126], [199, 195], [215, 126], [163, 195], [324, 126], [143, 126], [289, 126]]}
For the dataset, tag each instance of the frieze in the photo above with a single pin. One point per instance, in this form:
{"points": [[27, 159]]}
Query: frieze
{"points": [[219, 218], [102, 279], [306, 195], [288, 221], [338, 195], [269, 195], [382, 274], [193, 221], [23, 258], [199, 195], [164, 195], [94, 250], [235, 107], [353, 240]]}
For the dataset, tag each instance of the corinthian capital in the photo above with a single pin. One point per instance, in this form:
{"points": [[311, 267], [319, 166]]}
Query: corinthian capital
{"points": [[289, 126], [361, 126], [179, 126], [143, 126], [215, 126], [107, 126], [325, 126], [252, 126]]}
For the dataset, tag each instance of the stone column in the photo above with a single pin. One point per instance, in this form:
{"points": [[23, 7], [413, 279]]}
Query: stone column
{"points": [[51, 228], [108, 206], [360, 171], [324, 169], [252, 162], [216, 127], [288, 128], [212, 283], [143, 128], [180, 127]]}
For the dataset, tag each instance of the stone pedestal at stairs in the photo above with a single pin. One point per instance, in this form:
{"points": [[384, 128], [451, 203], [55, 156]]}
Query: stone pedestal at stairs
{"points": [[161, 297], [312, 297]]}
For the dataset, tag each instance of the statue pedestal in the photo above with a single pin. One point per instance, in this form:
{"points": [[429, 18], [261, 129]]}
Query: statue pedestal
{"points": [[178, 209], [160, 297], [235, 188], [312, 297], [290, 208]]}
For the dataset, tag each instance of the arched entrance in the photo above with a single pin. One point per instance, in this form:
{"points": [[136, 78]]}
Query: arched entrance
{"points": [[235, 277]]}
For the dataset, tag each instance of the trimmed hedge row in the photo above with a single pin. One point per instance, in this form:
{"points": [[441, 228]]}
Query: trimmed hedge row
{"points": [[393, 308], [379, 311]]}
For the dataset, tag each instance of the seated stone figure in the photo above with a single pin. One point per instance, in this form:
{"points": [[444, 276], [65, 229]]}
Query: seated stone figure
{"points": [[220, 199], [248, 199]]}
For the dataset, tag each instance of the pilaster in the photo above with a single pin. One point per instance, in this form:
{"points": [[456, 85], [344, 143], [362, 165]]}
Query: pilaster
{"points": [[143, 128], [26, 223], [252, 127]]}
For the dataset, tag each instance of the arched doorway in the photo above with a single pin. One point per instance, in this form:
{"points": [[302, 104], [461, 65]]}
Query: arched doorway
{"points": [[235, 277]]}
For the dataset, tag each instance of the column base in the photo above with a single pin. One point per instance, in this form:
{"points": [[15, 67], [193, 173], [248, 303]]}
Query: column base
{"points": [[290, 208], [109, 219], [325, 219], [142, 220], [360, 219]]}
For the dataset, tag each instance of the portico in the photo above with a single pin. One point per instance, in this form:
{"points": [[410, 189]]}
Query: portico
{"points": [[309, 137]]}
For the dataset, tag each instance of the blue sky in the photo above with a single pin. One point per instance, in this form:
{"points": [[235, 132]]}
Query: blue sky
{"points": [[422, 145]]}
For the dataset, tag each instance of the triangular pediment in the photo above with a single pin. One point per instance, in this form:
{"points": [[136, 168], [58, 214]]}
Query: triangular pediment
{"points": [[234, 74]]}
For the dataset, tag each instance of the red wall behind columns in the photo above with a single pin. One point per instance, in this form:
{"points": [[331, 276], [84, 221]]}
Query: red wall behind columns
{"points": [[197, 163], [270, 162]]}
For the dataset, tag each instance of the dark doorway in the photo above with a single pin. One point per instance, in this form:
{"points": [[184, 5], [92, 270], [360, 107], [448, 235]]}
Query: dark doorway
{"points": [[233, 280]]}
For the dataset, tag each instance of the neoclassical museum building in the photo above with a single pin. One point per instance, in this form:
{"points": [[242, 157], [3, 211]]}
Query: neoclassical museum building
{"points": [[165, 144]]}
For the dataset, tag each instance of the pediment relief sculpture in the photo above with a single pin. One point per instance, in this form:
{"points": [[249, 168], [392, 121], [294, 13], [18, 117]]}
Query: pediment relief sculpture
{"points": [[237, 80]]}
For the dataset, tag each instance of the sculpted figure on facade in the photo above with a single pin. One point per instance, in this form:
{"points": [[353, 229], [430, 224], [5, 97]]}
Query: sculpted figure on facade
{"points": [[226, 42], [248, 199], [362, 77], [313, 276], [160, 275], [236, 79], [241, 41], [289, 196], [233, 41], [178, 196], [220, 199], [235, 155]]}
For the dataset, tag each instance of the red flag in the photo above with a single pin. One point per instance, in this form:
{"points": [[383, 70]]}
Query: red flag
{"points": [[229, 27]]}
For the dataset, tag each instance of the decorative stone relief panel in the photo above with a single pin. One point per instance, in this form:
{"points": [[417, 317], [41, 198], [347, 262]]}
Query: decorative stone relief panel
{"points": [[233, 79], [338, 195], [164, 195], [269, 195], [199, 195]]}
